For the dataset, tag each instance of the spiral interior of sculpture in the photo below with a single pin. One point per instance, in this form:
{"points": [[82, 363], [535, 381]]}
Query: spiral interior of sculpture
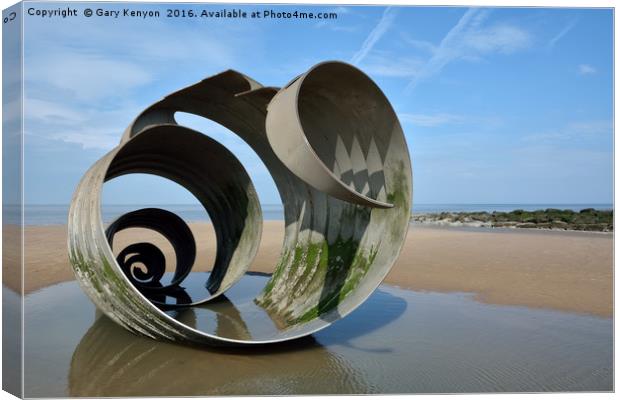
{"points": [[338, 156]]}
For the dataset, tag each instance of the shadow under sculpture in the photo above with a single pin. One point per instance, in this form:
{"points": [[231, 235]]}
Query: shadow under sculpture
{"points": [[338, 156]]}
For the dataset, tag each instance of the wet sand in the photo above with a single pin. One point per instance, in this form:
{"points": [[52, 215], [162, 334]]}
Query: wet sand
{"points": [[563, 271], [398, 341]]}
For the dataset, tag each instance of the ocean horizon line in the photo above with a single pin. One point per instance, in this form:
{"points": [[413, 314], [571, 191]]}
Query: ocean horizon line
{"points": [[57, 214]]}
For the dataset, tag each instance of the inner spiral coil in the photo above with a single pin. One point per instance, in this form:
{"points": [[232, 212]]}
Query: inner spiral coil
{"points": [[338, 156]]}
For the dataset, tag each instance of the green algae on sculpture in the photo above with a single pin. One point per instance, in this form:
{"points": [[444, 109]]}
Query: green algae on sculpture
{"points": [[346, 197]]}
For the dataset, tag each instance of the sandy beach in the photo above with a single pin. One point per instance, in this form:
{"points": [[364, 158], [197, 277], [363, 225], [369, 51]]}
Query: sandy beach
{"points": [[564, 271]]}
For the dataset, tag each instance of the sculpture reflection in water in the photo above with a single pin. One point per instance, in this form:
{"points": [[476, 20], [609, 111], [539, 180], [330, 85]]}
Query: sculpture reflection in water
{"points": [[338, 156], [109, 361]]}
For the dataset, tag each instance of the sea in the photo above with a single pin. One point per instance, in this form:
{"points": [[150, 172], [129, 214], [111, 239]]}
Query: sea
{"points": [[57, 214]]}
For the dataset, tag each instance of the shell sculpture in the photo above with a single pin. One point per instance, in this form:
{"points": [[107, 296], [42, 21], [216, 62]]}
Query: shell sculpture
{"points": [[338, 156]]}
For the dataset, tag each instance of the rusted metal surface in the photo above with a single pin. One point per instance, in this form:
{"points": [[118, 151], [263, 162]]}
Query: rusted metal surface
{"points": [[338, 156]]}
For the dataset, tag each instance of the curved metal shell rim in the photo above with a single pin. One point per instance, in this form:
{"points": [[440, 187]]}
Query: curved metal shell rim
{"points": [[177, 330], [182, 326], [365, 199], [214, 339]]}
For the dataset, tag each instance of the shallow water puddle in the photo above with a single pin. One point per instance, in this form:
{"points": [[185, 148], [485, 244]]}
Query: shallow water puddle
{"points": [[399, 341]]}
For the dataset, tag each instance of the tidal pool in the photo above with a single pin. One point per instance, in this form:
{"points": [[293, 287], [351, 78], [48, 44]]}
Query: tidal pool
{"points": [[399, 341]]}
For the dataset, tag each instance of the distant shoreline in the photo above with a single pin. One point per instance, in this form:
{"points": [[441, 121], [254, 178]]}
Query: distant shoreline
{"points": [[57, 214], [552, 219]]}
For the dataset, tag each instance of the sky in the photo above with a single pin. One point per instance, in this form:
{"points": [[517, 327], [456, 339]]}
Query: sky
{"points": [[501, 105]]}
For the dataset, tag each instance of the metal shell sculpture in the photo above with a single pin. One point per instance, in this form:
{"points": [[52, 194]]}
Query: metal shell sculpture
{"points": [[338, 156]]}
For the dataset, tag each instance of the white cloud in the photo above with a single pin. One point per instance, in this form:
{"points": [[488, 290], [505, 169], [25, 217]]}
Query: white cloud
{"points": [[430, 120], [440, 119], [470, 40], [48, 111], [561, 34], [420, 44], [215, 43], [385, 64], [92, 139], [378, 31], [596, 127], [85, 76], [549, 160], [573, 131], [88, 126], [89, 62], [499, 38], [78, 78], [586, 69]]}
